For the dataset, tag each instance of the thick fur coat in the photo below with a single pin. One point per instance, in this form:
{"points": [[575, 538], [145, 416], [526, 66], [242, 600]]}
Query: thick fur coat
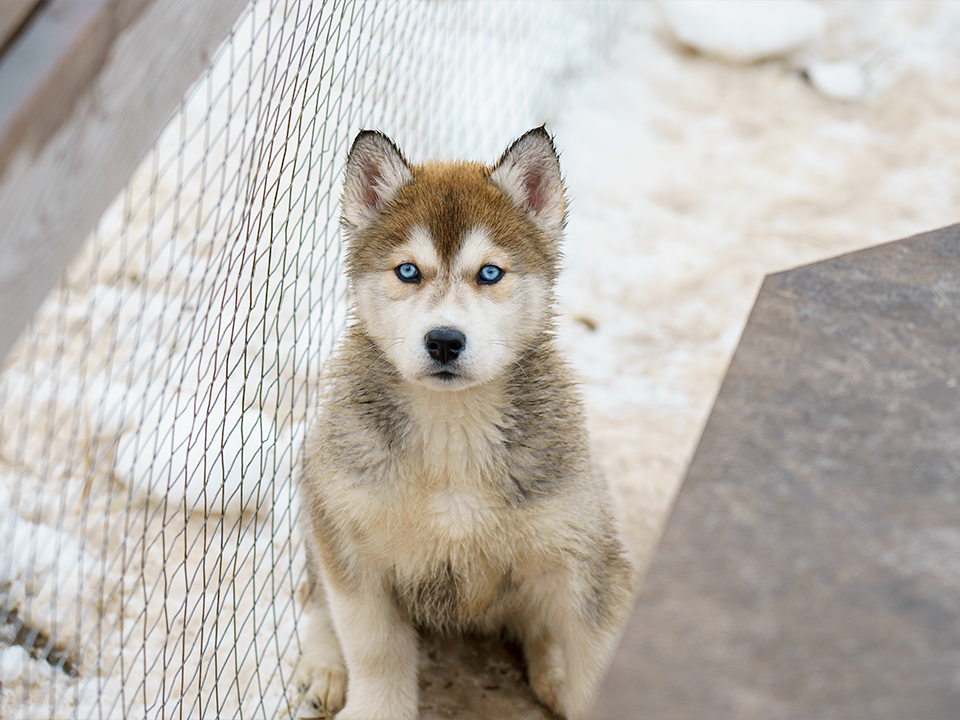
{"points": [[447, 481]]}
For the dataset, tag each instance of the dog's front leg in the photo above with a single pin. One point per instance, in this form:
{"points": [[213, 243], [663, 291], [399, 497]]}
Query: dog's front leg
{"points": [[321, 674], [380, 648], [570, 638]]}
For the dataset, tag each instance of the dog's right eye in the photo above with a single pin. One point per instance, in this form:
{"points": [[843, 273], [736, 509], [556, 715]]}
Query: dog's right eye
{"points": [[408, 273]]}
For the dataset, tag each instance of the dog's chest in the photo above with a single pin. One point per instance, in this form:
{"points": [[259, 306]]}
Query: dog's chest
{"points": [[453, 468], [446, 487], [441, 527], [446, 499]]}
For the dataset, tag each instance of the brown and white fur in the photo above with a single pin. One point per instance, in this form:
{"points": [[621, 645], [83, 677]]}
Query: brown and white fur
{"points": [[447, 482]]}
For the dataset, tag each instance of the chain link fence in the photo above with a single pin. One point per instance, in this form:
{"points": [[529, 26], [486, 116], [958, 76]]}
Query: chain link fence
{"points": [[151, 415]]}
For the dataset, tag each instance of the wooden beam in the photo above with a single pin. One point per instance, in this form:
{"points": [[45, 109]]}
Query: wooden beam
{"points": [[13, 13], [85, 91], [809, 569]]}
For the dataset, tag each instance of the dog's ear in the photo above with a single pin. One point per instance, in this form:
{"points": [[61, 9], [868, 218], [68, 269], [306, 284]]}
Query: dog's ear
{"points": [[376, 170], [529, 173]]}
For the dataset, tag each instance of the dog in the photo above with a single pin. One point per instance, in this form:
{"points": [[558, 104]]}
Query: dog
{"points": [[447, 482]]}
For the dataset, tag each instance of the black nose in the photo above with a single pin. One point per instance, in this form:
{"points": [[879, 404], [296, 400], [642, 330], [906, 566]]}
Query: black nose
{"points": [[444, 344]]}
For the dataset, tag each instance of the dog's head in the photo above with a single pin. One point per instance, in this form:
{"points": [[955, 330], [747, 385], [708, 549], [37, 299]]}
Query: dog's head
{"points": [[453, 264]]}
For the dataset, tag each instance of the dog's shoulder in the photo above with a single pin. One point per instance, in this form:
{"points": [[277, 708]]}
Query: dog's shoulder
{"points": [[547, 437], [361, 421]]}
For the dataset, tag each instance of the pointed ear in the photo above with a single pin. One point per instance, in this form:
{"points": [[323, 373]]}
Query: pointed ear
{"points": [[529, 173], [376, 170]]}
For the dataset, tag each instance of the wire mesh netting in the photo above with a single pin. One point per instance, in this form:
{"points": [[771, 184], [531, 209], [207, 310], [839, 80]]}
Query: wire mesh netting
{"points": [[153, 411]]}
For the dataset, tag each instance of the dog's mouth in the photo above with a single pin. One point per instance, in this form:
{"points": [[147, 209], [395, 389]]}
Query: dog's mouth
{"points": [[447, 380], [446, 377]]}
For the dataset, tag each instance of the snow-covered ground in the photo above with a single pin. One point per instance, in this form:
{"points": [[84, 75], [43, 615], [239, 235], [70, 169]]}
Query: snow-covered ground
{"points": [[692, 177], [150, 422]]}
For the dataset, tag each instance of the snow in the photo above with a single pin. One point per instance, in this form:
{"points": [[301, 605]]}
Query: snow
{"points": [[744, 31], [843, 80], [12, 661], [691, 179], [197, 454], [35, 553], [151, 424]]}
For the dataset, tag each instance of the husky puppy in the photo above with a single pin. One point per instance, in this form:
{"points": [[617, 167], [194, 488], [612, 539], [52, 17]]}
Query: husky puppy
{"points": [[447, 483]]}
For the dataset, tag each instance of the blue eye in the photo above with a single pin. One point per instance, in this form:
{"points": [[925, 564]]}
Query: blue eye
{"points": [[408, 273], [489, 274]]}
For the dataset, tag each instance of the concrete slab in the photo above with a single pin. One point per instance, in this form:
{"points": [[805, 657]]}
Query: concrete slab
{"points": [[811, 566]]}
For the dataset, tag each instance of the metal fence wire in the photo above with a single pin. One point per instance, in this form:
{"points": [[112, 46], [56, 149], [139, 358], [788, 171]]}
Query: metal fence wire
{"points": [[151, 415]]}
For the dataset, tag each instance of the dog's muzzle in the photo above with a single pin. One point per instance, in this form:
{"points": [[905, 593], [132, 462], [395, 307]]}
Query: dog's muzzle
{"points": [[445, 344]]}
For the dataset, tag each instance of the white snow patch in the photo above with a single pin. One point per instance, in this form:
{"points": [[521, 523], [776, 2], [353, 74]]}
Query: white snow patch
{"points": [[12, 661], [841, 80], [744, 31], [203, 457], [34, 553]]}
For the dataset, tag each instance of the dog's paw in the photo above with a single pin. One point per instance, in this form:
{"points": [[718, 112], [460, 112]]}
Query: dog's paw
{"points": [[387, 712], [548, 687], [545, 667], [322, 689]]}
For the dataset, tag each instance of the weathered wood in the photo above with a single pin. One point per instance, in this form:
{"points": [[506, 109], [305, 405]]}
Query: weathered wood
{"points": [[810, 568], [85, 91], [12, 15]]}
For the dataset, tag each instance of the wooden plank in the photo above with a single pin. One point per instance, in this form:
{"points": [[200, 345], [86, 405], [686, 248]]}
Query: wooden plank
{"points": [[810, 567], [46, 70], [12, 15], [84, 93]]}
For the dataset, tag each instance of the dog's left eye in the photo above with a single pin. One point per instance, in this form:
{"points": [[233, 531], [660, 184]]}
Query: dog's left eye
{"points": [[489, 274], [408, 272]]}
